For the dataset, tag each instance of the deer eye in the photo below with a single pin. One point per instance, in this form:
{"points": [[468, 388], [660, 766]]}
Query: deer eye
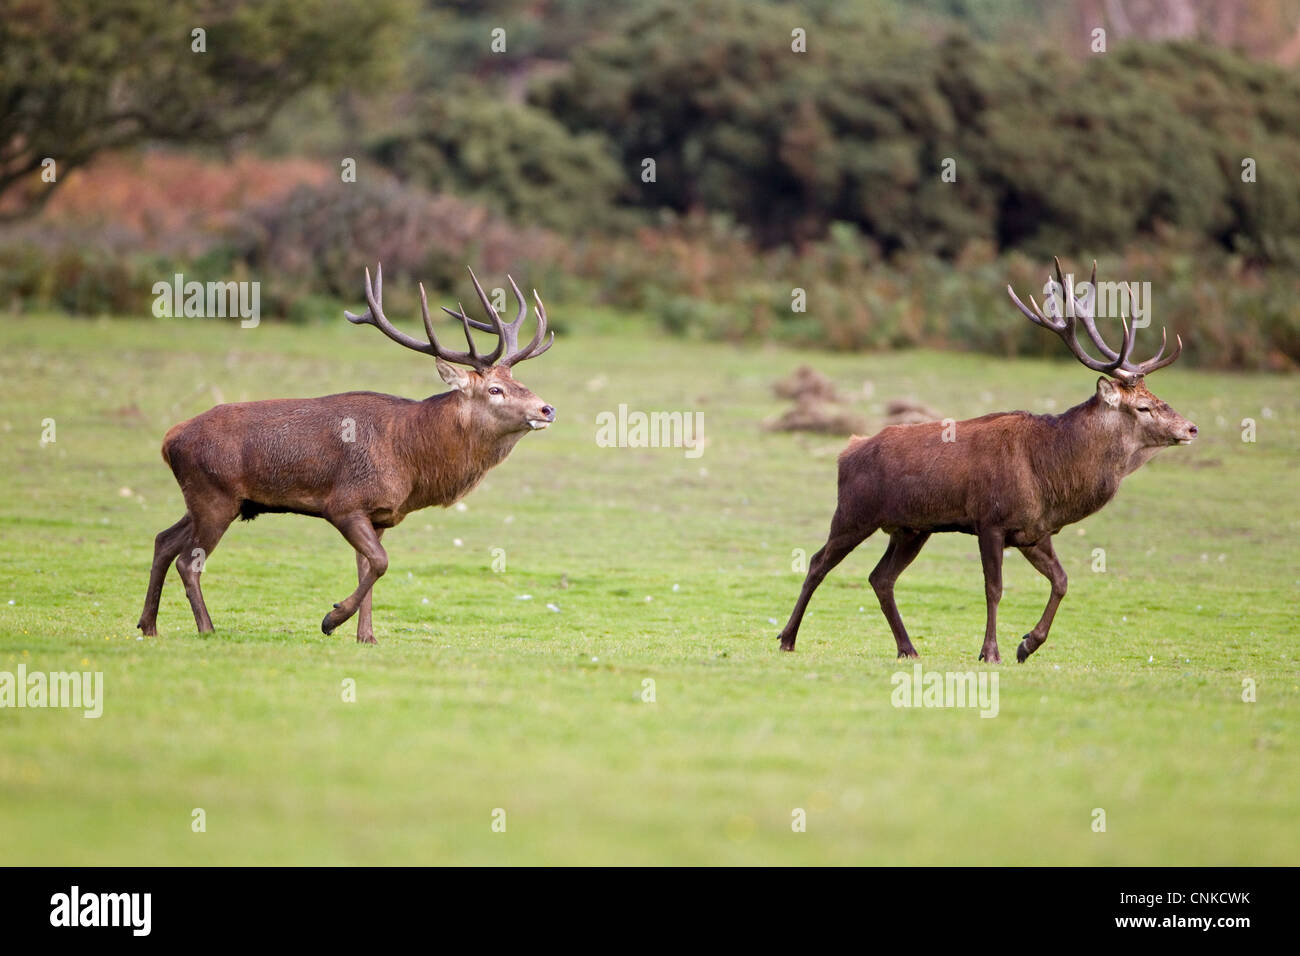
{"points": [[1144, 408], [495, 390]]}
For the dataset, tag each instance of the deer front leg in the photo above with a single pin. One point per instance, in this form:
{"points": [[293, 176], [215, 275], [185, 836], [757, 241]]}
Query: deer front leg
{"points": [[991, 542], [361, 534], [1043, 557], [365, 631]]}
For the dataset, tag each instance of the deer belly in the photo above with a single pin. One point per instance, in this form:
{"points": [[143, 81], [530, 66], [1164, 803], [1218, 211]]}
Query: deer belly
{"points": [[919, 502]]}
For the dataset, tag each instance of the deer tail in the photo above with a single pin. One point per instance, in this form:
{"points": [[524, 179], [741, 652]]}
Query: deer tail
{"points": [[168, 439]]}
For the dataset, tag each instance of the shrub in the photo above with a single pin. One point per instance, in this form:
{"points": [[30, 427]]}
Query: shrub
{"points": [[1051, 155], [514, 159]]}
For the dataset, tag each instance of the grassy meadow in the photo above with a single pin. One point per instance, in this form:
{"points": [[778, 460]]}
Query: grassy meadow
{"points": [[522, 689]]}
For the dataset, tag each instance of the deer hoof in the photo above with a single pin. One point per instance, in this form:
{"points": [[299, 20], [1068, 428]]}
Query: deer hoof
{"points": [[1023, 651], [370, 639], [327, 626]]}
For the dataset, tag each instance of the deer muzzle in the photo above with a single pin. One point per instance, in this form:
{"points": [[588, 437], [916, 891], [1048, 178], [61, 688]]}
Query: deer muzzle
{"points": [[547, 415]]}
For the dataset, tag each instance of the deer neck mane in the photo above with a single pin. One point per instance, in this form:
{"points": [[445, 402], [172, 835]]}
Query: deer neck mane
{"points": [[1082, 458], [447, 450], [1099, 434]]}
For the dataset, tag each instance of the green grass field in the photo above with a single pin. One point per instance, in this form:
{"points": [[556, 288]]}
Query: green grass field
{"points": [[662, 567]]}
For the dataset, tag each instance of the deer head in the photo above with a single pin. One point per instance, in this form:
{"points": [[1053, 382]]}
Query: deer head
{"points": [[493, 401], [1145, 422]]}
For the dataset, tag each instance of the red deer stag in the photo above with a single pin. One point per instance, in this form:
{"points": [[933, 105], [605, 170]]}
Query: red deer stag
{"points": [[1012, 479], [360, 460]]}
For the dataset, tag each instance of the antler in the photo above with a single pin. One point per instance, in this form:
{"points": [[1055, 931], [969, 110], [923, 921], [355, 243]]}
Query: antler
{"points": [[507, 335], [509, 332], [1115, 364]]}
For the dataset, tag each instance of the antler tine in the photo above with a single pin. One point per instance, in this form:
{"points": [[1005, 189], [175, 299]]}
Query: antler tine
{"points": [[1088, 315], [531, 349], [1124, 369], [1067, 290], [374, 315], [534, 349], [1119, 364], [1126, 348], [496, 327], [1164, 340], [470, 358], [1084, 310], [1065, 331], [1035, 315], [505, 334], [1081, 307], [523, 304], [1054, 322], [1152, 364], [523, 311], [1071, 337], [509, 331], [1157, 361], [541, 321], [469, 336]]}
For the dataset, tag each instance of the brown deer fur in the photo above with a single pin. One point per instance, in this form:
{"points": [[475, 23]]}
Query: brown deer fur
{"points": [[1012, 479], [361, 460]]}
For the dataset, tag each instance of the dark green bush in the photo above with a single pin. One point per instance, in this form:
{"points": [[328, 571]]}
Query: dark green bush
{"points": [[1051, 155], [514, 159]]}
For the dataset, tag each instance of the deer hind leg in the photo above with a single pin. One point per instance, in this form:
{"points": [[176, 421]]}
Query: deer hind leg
{"points": [[209, 521], [991, 545], [1043, 557], [363, 536], [166, 546], [365, 630], [844, 537], [903, 548]]}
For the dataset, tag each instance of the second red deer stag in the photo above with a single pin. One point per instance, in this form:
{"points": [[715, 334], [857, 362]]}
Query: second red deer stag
{"points": [[361, 460], [1012, 479]]}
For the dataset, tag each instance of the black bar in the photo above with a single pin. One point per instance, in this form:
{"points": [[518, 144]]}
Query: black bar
{"points": [[334, 905]]}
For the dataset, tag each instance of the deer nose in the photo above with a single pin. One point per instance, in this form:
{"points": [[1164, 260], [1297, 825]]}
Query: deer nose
{"points": [[1191, 429], [549, 412]]}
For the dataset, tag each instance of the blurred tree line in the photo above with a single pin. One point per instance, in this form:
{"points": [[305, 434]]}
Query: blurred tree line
{"points": [[1048, 153], [873, 139], [1044, 152], [78, 79]]}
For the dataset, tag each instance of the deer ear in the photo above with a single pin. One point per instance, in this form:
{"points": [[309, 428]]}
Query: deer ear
{"points": [[1108, 392], [453, 375]]}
